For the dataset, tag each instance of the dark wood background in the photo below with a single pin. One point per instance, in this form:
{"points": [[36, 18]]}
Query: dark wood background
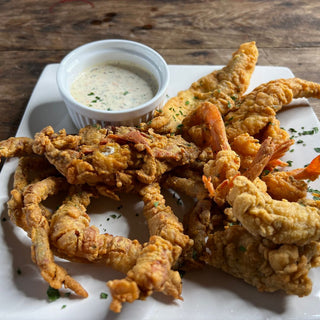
{"points": [[36, 33]]}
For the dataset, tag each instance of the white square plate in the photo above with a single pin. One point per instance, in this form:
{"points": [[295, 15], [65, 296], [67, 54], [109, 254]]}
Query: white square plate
{"points": [[208, 293]]}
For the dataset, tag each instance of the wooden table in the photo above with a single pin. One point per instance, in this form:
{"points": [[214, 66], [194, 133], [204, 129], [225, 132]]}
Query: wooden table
{"points": [[36, 33]]}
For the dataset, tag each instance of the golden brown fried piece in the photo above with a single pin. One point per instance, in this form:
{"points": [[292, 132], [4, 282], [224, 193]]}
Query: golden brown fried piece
{"points": [[152, 271], [115, 160], [74, 238], [258, 109], [16, 147], [281, 222], [221, 87], [261, 263], [42, 255], [288, 184], [30, 169]]}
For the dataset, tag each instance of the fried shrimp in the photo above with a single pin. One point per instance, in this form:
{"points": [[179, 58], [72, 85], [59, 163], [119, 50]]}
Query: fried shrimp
{"points": [[212, 142], [221, 87]]}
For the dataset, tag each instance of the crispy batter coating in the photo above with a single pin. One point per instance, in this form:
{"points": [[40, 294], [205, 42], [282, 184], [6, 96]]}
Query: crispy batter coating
{"points": [[282, 222], [16, 147], [258, 108], [73, 237], [261, 263], [41, 253], [151, 273], [114, 160], [221, 87]]}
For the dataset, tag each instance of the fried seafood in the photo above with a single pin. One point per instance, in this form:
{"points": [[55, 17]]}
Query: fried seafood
{"points": [[74, 238], [221, 86], [38, 224], [249, 218], [16, 147], [152, 271], [289, 184], [114, 160], [261, 263], [282, 222], [258, 109]]}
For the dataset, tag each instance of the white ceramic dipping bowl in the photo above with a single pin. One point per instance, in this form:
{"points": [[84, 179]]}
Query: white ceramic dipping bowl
{"points": [[103, 51]]}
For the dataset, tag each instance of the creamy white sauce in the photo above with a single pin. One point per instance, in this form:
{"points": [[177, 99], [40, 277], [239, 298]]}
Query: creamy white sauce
{"points": [[113, 86]]}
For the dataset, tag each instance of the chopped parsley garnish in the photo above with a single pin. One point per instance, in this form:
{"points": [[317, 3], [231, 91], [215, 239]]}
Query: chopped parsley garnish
{"points": [[125, 93], [290, 163], [53, 294], [64, 306], [114, 216], [156, 203], [317, 150], [91, 94], [179, 126], [242, 248], [187, 102], [103, 295]]}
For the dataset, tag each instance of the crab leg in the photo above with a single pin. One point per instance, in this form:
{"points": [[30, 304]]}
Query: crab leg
{"points": [[41, 252], [152, 271]]}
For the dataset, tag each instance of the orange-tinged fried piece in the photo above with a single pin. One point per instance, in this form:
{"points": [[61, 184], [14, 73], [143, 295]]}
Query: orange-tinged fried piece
{"points": [[282, 222], [208, 118], [221, 87], [288, 184], [258, 108], [261, 263]]}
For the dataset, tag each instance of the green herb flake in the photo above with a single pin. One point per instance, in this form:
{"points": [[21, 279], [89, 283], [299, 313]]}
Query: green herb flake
{"points": [[103, 295], [317, 150], [179, 126], [229, 104], [113, 216], [64, 306], [242, 248], [265, 172], [234, 98], [187, 102], [53, 294], [91, 94], [289, 162], [125, 93], [156, 203], [300, 141]]}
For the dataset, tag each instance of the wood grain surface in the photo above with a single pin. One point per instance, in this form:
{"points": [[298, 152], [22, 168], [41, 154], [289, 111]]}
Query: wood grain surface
{"points": [[36, 33]]}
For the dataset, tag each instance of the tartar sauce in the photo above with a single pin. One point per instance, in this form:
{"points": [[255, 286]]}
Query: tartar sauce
{"points": [[114, 86]]}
